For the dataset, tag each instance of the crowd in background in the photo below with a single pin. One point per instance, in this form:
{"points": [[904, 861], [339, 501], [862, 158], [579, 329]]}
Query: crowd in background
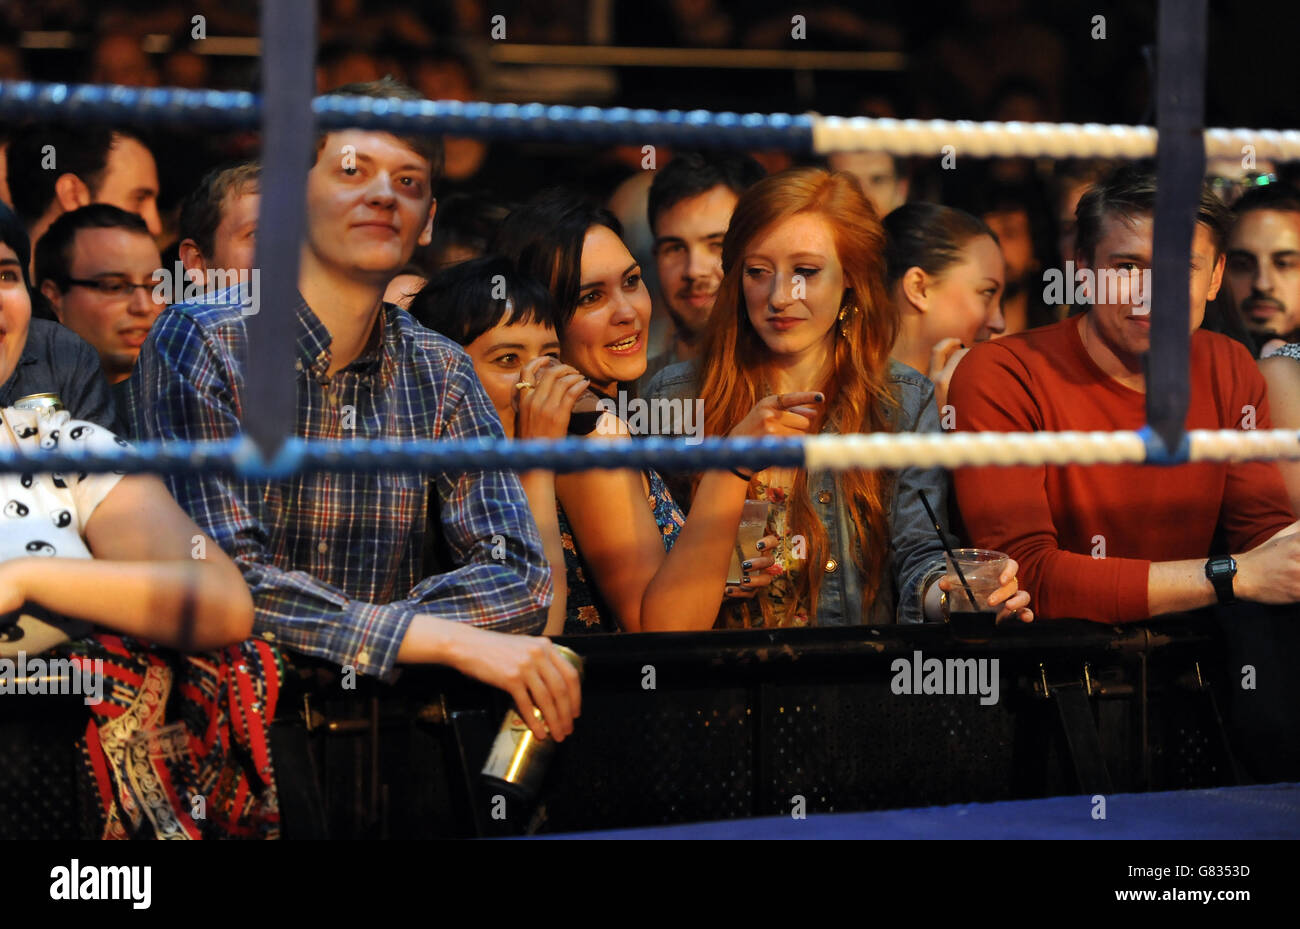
{"points": [[862, 292]]}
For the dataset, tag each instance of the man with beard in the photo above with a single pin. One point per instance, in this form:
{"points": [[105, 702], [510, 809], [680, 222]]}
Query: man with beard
{"points": [[691, 201], [1263, 271]]}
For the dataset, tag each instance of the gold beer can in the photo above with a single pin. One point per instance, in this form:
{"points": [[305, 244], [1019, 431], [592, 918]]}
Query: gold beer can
{"points": [[518, 760], [43, 404]]}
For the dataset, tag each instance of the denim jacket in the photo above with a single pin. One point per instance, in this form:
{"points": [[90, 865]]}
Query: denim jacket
{"points": [[915, 556]]}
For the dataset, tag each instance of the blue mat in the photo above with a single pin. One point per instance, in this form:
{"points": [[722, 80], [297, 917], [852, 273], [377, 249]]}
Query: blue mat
{"points": [[1259, 812]]}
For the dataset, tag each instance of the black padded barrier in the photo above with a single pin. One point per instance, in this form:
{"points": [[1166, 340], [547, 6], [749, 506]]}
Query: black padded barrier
{"points": [[749, 723], [738, 723]]}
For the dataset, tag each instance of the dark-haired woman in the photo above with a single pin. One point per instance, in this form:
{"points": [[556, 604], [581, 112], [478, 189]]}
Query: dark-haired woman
{"points": [[638, 564], [946, 275], [802, 313], [505, 323]]}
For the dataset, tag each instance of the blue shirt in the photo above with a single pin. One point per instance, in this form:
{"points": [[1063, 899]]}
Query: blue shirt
{"points": [[335, 561]]}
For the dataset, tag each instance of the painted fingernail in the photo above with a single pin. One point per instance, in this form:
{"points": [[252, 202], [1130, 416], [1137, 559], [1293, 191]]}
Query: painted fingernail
{"points": [[760, 545], [746, 565], [745, 579], [821, 397]]}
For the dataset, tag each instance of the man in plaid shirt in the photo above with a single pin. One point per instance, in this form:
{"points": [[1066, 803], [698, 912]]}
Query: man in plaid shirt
{"points": [[334, 561]]}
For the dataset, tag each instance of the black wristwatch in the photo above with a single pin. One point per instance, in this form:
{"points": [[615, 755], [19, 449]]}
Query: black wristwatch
{"points": [[1221, 572]]}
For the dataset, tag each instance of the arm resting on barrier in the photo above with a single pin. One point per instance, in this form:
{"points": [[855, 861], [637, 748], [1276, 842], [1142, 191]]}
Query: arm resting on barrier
{"points": [[647, 588], [528, 668], [184, 390], [1008, 509], [144, 579]]}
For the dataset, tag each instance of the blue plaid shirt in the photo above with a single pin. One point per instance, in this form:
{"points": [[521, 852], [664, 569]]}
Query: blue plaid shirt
{"points": [[335, 561]]}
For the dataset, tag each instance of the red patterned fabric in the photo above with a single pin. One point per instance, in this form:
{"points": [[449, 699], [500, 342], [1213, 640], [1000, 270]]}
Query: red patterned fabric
{"points": [[206, 773]]}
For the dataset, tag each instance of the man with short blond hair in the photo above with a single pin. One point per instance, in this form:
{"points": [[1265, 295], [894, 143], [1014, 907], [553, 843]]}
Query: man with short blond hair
{"points": [[218, 222], [1123, 543]]}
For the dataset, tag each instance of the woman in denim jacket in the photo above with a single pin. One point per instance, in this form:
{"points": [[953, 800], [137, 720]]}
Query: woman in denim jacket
{"points": [[799, 343]]}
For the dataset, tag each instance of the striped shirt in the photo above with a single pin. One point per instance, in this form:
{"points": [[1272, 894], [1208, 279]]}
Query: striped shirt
{"points": [[335, 561]]}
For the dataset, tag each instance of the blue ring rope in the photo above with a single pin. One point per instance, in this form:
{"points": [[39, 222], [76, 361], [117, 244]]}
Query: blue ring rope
{"points": [[242, 458], [237, 109]]}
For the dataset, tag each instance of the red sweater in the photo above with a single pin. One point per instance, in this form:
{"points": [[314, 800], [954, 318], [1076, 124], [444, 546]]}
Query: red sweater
{"points": [[1085, 535]]}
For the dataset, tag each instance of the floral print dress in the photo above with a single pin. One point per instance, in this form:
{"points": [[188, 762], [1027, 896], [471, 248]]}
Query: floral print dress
{"points": [[587, 610], [777, 604]]}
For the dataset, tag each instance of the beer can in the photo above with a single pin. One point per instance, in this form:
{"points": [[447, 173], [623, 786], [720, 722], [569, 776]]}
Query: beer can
{"points": [[518, 761], [43, 404]]}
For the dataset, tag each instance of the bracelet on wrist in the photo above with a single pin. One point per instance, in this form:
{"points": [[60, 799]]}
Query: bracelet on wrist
{"points": [[741, 474]]}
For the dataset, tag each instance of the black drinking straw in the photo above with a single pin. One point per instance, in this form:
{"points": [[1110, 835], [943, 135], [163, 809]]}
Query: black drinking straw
{"points": [[944, 542]]}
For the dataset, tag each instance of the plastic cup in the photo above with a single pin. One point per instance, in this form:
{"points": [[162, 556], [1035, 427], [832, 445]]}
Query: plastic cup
{"points": [[753, 526], [982, 569]]}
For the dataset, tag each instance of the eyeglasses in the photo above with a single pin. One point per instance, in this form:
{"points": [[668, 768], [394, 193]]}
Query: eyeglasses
{"points": [[1238, 185], [109, 286]]}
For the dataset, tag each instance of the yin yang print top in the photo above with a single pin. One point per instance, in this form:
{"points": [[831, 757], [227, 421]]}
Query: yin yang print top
{"points": [[44, 514]]}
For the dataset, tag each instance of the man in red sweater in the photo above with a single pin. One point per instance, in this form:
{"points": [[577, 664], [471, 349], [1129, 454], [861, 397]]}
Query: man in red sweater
{"points": [[1122, 543]]}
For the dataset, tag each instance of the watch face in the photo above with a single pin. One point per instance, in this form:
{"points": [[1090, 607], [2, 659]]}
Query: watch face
{"points": [[1221, 568]]}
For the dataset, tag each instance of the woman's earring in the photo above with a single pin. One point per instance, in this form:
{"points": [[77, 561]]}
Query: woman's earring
{"points": [[846, 312]]}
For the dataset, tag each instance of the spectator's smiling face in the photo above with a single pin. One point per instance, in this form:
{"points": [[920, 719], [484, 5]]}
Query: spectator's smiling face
{"points": [[688, 254], [369, 202], [965, 302], [1125, 246], [606, 339], [15, 312]]}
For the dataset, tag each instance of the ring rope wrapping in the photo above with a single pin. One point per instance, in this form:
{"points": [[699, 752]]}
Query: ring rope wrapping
{"points": [[241, 456], [809, 132]]}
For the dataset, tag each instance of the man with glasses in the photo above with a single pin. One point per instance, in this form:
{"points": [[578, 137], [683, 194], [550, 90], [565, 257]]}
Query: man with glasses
{"points": [[1231, 179], [96, 267], [47, 358]]}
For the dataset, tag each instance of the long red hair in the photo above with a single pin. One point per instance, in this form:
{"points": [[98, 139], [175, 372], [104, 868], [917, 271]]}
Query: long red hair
{"points": [[734, 357]]}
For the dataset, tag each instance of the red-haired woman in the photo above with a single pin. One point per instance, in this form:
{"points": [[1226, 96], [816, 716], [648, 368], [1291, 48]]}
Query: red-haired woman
{"points": [[802, 312]]}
